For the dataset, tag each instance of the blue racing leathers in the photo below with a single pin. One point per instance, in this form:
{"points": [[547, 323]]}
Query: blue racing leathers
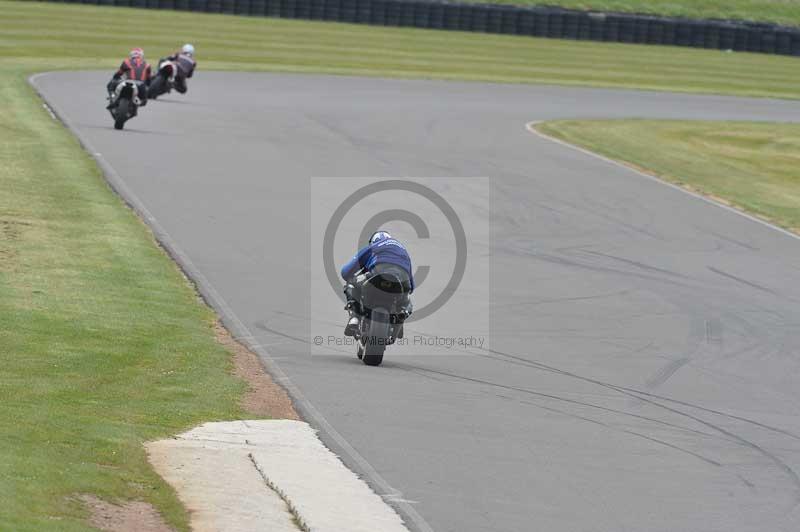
{"points": [[386, 251]]}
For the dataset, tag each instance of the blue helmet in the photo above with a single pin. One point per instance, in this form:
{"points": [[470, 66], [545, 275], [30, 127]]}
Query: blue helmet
{"points": [[378, 236]]}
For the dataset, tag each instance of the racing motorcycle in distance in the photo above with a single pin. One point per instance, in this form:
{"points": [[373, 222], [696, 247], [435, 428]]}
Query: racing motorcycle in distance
{"points": [[125, 100], [382, 306], [164, 80]]}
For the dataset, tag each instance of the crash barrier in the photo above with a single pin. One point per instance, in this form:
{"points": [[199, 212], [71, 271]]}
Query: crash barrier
{"points": [[505, 19]]}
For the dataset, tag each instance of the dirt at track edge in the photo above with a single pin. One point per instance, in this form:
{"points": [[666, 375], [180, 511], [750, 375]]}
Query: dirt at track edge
{"points": [[132, 516], [264, 398]]}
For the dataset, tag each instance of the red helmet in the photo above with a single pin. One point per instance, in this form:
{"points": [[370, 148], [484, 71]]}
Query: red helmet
{"points": [[136, 52]]}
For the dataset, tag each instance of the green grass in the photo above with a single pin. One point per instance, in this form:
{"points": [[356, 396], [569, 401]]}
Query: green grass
{"points": [[754, 166], [45, 36], [103, 344], [780, 11]]}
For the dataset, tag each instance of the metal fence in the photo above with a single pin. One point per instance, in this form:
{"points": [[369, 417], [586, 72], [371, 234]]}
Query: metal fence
{"points": [[505, 19]]}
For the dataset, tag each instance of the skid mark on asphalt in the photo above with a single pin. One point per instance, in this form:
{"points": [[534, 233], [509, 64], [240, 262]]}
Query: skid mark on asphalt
{"points": [[631, 432], [545, 367], [535, 303], [594, 267], [732, 240], [697, 334], [566, 400], [637, 264], [654, 401], [740, 280]]}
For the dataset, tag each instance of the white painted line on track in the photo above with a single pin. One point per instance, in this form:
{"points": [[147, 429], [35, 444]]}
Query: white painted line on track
{"points": [[52, 114], [531, 127]]}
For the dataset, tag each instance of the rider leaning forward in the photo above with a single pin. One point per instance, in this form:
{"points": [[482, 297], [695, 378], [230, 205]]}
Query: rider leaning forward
{"points": [[134, 68]]}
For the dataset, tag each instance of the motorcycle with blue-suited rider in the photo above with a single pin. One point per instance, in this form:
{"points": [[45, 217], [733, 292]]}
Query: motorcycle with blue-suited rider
{"points": [[378, 286]]}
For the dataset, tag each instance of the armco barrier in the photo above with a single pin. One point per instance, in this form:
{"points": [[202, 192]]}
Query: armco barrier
{"points": [[516, 20]]}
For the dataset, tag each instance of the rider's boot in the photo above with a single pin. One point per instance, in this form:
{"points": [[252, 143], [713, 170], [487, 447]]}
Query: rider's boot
{"points": [[351, 327]]}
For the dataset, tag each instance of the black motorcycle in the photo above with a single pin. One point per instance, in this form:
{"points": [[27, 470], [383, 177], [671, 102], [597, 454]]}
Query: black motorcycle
{"points": [[382, 305], [164, 80], [125, 99]]}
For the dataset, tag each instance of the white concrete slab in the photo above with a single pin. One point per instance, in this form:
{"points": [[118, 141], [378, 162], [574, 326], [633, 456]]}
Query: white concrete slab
{"points": [[220, 486], [257, 475]]}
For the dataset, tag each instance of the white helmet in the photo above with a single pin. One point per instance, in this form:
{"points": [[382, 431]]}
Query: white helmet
{"points": [[188, 49], [378, 236]]}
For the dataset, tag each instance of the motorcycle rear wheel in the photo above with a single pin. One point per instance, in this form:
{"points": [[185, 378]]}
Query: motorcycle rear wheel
{"points": [[121, 113], [155, 89], [374, 342]]}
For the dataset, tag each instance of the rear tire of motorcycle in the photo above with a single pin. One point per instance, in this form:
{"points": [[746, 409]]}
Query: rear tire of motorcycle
{"points": [[374, 342], [121, 114], [155, 89]]}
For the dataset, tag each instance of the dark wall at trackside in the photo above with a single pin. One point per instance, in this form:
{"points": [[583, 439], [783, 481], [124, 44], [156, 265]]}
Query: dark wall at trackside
{"points": [[513, 20]]}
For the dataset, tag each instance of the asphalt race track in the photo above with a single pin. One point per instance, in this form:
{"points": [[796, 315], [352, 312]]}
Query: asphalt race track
{"points": [[645, 345]]}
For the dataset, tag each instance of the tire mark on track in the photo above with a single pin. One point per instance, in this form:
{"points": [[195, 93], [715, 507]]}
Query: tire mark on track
{"points": [[740, 280], [650, 399], [565, 299], [564, 261], [732, 240], [637, 264], [698, 334], [666, 372], [418, 370], [545, 367], [705, 459]]}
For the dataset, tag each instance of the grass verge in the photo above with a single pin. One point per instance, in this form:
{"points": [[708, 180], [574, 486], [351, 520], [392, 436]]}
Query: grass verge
{"points": [[752, 166], [103, 344], [41, 36], [778, 11]]}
